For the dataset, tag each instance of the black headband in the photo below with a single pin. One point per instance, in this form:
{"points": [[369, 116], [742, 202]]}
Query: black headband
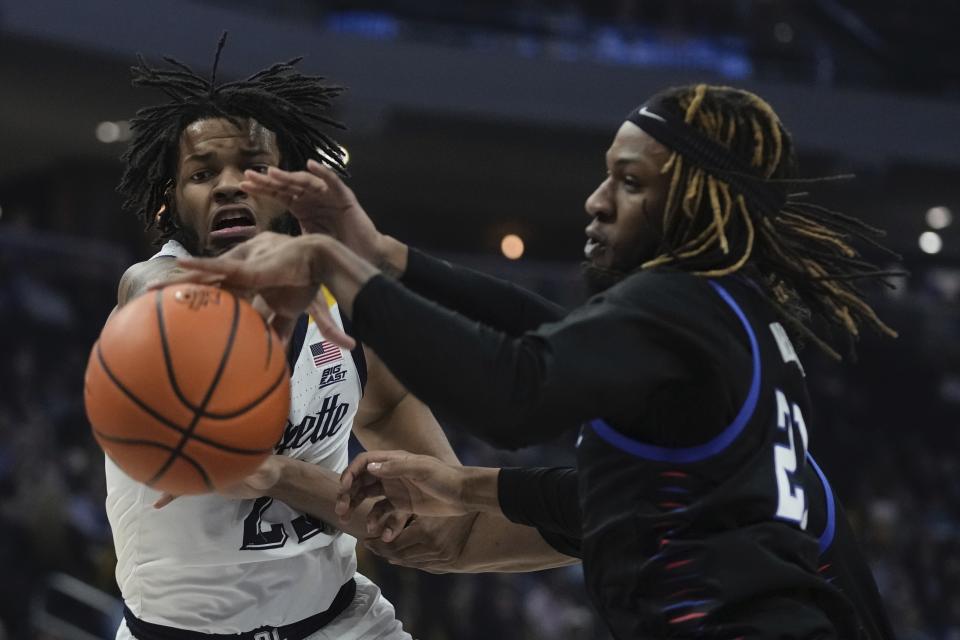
{"points": [[710, 156]]}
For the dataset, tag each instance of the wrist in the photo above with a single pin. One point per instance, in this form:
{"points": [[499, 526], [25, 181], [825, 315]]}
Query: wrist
{"points": [[342, 271], [283, 470], [478, 489], [391, 256], [319, 247]]}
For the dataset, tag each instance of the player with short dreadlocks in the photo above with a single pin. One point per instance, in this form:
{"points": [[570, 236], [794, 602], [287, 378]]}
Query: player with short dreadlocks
{"points": [[259, 562], [280, 99], [701, 513]]}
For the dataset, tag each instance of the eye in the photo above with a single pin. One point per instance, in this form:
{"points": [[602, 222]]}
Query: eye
{"points": [[631, 184], [260, 168], [201, 176]]}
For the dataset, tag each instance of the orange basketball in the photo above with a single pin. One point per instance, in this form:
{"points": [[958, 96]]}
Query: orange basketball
{"points": [[187, 389]]}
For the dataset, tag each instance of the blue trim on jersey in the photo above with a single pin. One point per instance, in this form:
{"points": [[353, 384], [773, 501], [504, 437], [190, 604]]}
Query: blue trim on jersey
{"points": [[826, 538], [719, 442]]}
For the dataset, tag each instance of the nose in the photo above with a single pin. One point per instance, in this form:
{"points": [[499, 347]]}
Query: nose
{"points": [[598, 203], [228, 186]]}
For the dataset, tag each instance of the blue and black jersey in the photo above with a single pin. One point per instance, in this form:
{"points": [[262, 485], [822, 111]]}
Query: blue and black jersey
{"points": [[547, 498], [716, 532], [694, 484]]}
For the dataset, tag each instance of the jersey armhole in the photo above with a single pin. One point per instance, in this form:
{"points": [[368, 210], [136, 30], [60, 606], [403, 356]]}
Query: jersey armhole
{"points": [[296, 341], [359, 360], [716, 445]]}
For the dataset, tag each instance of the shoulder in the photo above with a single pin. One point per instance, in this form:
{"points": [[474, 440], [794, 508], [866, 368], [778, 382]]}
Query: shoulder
{"points": [[663, 291], [171, 249], [682, 304], [138, 277]]}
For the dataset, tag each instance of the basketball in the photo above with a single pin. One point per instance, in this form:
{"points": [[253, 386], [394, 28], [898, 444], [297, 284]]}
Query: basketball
{"points": [[187, 389]]}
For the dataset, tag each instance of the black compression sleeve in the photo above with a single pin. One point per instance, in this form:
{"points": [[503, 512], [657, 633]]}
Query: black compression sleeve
{"points": [[607, 359], [458, 367], [545, 498], [497, 303]]}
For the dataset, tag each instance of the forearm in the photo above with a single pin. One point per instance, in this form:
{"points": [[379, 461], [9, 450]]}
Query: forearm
{"points": [[392, 256], [497, 545], [510, 391], [479, 490], [491, 382], [545, 499], [409, 426], [542, 497], [141, 276], [312, 490], [494, 302]]}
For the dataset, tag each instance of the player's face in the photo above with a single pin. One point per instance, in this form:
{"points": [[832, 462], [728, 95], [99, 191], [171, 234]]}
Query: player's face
{"points": [[214, 153], [626, 210]]}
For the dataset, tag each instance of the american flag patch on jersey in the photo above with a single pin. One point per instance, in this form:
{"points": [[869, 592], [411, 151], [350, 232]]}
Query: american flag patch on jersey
{"points": [[324, 353]]}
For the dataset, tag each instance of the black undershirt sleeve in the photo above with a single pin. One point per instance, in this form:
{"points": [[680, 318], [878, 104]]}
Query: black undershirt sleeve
{"points": [[603, 360], [500, 304], [545, 498]]}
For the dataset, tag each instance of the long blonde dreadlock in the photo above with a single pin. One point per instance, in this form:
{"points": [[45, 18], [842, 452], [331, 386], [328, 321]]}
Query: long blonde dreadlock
{"points": [[803, 251]]}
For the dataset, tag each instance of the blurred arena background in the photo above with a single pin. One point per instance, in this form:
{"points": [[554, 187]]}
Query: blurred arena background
{"points": [[469, 122]]}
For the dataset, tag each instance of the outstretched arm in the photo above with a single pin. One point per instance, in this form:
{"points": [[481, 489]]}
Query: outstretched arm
{"points": [[500, 539], [494, 544], [305, 487], [599, 361], [322, 203]]}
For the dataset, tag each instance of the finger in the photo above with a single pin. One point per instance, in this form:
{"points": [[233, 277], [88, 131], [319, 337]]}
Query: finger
{"points": [[235, 272], [393, 525], [362, 490], [264, 189], [405, 466], [343, 506], [382, 513], [387, 526], [257, 183], [302, 179], [410, 540], [298, 182], [328, 327], [262, 180], [283, 325], [261, 306], [328, 175], [278, 191], [164, 500], [191, 276], [358, 465]]}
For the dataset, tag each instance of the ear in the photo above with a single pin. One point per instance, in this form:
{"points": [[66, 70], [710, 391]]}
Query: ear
{"points": [[167, 214]]}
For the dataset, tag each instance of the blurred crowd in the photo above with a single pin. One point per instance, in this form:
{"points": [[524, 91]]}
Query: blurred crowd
{"points": [[884, 43], [884, 430]]}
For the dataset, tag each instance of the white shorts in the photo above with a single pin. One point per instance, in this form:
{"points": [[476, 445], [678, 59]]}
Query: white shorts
{"points": [[369, 617]]}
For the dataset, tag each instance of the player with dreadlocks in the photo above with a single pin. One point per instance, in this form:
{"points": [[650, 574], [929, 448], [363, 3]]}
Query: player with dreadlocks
{"points": [[701, 512], [262, 561], [282, 101]]}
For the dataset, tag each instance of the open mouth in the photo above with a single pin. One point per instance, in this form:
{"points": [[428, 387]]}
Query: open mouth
{"points": [[593, 249], [235, 223]]}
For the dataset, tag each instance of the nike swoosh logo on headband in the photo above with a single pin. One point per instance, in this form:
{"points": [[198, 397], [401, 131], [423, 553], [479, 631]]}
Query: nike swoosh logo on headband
{"points": [[650, 114]]}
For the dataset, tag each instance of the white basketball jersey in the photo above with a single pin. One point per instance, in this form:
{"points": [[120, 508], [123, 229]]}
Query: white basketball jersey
{"points": [[217, 565]]}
